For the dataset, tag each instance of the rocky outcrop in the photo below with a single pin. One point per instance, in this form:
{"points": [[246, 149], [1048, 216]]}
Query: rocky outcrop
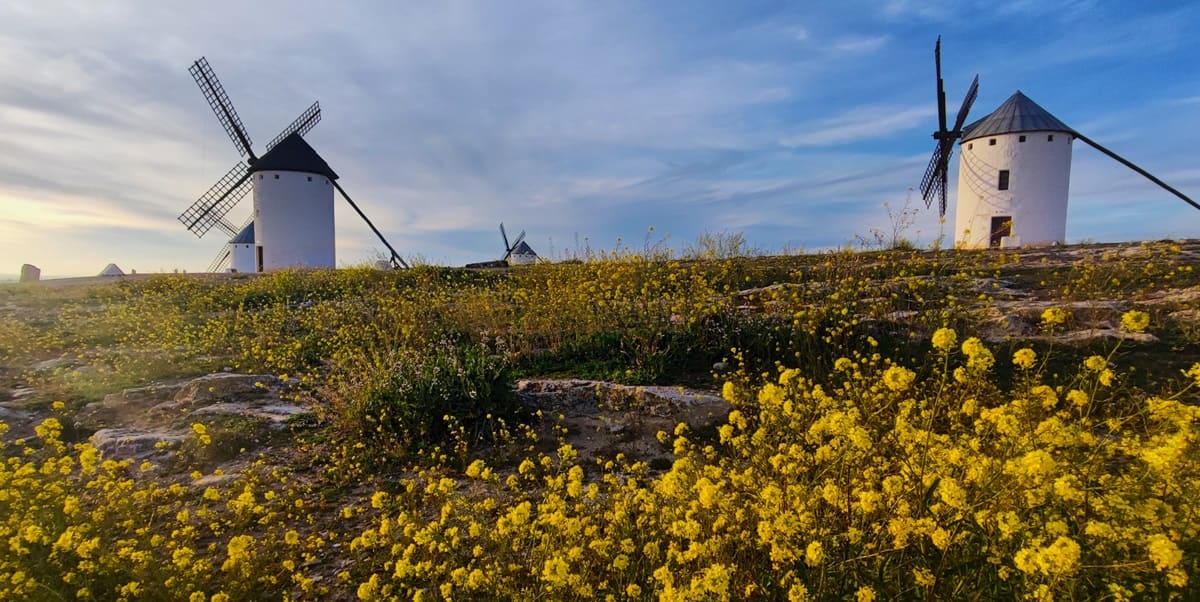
{"points": [[603, 419], [142, 422], [136, 444], [126, 407], [224, 387]]}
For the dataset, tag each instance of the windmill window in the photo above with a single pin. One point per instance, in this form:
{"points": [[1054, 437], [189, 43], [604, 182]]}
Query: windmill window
{"points": [[1020, 138], [309, 178], [970, 145], [1003, 184], [260, 176], [1050, 138], [991, 142], [276, 176]]}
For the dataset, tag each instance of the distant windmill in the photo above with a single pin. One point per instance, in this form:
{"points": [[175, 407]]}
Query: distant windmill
{"points": [[517, 253], [1013, 172], [292, 222]]}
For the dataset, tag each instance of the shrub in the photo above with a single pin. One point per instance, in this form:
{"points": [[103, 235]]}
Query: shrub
{"points": [[417, 398]]}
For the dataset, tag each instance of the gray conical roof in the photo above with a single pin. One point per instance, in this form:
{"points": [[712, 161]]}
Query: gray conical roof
{"points": [[293, 154], [1017, 114], [523, 249]]}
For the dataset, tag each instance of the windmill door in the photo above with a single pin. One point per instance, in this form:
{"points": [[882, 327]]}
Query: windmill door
{"points": [[1001, 227], [258, 257]]}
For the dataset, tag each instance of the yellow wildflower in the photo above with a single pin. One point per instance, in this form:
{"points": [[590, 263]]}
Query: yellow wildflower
{"points": [[944, 339], [475, 469], [1135, 321], [1077, 397], [1054, 316], [1106, 378], [378, 499], [1095, 363], [978, 356], [898, 379], [814, 554], [923, 577], [1194, 373], [1163, 552], [1024, 358], [201, 434]]}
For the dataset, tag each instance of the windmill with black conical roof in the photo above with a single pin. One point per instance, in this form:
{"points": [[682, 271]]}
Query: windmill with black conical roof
{"points": [[1014, 171], [292, 221]]}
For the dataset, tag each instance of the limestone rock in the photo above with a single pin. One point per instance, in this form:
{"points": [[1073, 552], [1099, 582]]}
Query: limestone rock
{"points": [[603, 419], [10, 414], [55, 364], [271, 410], [128, 406], [214, 388], [121, 444]]}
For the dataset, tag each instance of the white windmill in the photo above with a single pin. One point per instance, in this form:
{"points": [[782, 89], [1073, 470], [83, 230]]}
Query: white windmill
{"points": [[517, 253], [1014, 171], [292, 222]]}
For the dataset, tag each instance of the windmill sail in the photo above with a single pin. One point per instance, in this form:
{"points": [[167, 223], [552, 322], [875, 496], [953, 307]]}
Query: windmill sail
{"points": [[302, 125], [935, 182], [218, 99], [210, 209]]}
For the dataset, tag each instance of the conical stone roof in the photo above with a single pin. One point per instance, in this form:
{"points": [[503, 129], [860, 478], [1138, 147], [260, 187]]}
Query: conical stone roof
{"points": [[1017, 114]]}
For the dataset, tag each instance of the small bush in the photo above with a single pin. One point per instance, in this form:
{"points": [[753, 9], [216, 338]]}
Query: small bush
{"points": [[416, 399]]}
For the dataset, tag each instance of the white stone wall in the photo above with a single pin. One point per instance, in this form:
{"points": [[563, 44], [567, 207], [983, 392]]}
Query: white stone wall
{"points": [[293, 219], [1039, 178], [241, 258]]}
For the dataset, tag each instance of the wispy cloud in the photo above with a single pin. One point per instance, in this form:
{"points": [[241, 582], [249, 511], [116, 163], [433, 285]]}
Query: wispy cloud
{"points": [[861, 44], [596, 119], [862, 123]]}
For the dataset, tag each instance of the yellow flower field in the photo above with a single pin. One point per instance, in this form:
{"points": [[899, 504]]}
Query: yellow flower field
{"points": [[884, 442]]}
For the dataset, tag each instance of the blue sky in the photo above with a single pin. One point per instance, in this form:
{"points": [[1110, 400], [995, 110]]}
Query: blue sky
{"points": [[579, 122]]}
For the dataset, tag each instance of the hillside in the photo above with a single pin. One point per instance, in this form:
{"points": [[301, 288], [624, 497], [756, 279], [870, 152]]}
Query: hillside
{"points": [[850, 425]]}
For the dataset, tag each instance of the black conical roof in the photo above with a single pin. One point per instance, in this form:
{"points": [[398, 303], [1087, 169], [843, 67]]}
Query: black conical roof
{"points": [[1017, 114], [293, 154]]}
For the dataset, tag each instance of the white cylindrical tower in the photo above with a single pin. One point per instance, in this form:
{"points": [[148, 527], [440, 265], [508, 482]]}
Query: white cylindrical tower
{"points": [[1014, 171], [293, 208], [242, 254]]}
